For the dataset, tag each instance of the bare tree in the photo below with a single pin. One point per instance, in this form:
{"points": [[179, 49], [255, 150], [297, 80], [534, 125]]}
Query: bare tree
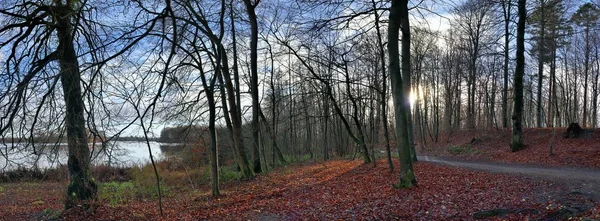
{"points": [[251, 11], [399, 20], [517, 131]]}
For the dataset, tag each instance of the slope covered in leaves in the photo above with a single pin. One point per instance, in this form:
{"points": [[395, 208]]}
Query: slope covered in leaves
{"points": [[346, 190], [493, 145]]}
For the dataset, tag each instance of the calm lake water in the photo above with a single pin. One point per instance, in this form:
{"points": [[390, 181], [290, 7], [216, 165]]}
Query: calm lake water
{"points": [[118, 153]]}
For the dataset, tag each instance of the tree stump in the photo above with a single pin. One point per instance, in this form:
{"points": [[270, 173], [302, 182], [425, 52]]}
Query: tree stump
{"points": [[574, 131]]}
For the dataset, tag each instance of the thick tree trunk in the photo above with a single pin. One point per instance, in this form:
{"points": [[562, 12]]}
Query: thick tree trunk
{"points": [[517, 132], [81, 183], [250, 9], [214, 154], [399, 19]]}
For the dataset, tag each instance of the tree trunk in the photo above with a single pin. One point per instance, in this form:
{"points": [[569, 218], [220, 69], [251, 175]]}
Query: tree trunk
{"points": [[228, 123], [506, 7], [360, 141], [586, 74], [250, 9], [541, 46], [235, 116], [383, 95], [212, 112], [325, 129], [595, 101], [81, 183], [517, 132], [329, 92], [398, 18]]}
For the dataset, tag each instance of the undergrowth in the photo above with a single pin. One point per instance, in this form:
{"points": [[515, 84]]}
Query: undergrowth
{"points": [[462, 150]]}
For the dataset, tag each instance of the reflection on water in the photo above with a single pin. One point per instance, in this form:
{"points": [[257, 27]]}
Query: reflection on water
{"points": [[50, 155]]}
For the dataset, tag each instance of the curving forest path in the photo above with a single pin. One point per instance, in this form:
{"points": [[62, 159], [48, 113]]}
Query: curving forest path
{"points": [[581, 180]]}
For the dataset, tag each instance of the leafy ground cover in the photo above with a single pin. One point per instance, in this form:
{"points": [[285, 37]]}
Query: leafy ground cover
{"points": [[493, 145], [335, 190]]}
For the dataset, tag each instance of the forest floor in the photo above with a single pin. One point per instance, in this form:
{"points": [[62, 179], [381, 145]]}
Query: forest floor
{"points": [[334, 190], [470, 175], [493, 146]]}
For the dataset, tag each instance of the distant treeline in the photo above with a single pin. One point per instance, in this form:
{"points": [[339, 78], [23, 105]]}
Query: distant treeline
{"points": [[182, 134], [132, 138], [35, 140], [195, 134]]}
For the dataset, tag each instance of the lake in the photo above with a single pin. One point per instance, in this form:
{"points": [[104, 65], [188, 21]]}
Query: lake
{"points": [[51, 155]]}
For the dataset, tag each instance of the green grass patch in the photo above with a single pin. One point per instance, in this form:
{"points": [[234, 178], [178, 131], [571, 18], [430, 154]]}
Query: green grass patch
{"points": [[2, 189], [116, 193], [462, 150], [227, 174], [52, 214]]}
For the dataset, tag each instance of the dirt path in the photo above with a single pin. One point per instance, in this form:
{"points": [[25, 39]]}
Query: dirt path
{"points": [[581, 180]]}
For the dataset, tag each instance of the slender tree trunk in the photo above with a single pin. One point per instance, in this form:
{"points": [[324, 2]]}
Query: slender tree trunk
{"points": [[308, 127], [383, 95], [361, 135], [541, 51], [595, 101], [273, 127], [325, 129], [398, 19], [276, 149], [552, 95], [235, 116], [506, 5], [212, 112], [236, 72], [517, 132], [228, 123], [329, 92], [586, 74]]}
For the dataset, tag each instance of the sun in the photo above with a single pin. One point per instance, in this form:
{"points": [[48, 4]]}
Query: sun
{"points": [[412, 98]]}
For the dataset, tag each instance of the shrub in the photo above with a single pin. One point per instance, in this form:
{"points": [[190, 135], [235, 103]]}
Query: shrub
{"points": [[105, 173], [459, 150], [144, 179]]}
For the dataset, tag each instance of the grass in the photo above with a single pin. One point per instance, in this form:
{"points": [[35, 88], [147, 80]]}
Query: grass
{"points": [[116, 193], [52, 214], [227, 174]]}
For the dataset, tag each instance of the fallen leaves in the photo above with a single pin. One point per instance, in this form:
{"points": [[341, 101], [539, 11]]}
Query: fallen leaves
{"points": [[493, 145], [335, 190]]}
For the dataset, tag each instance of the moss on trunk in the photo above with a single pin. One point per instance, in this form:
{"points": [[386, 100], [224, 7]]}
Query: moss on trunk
{"points": [[81, 183]]}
